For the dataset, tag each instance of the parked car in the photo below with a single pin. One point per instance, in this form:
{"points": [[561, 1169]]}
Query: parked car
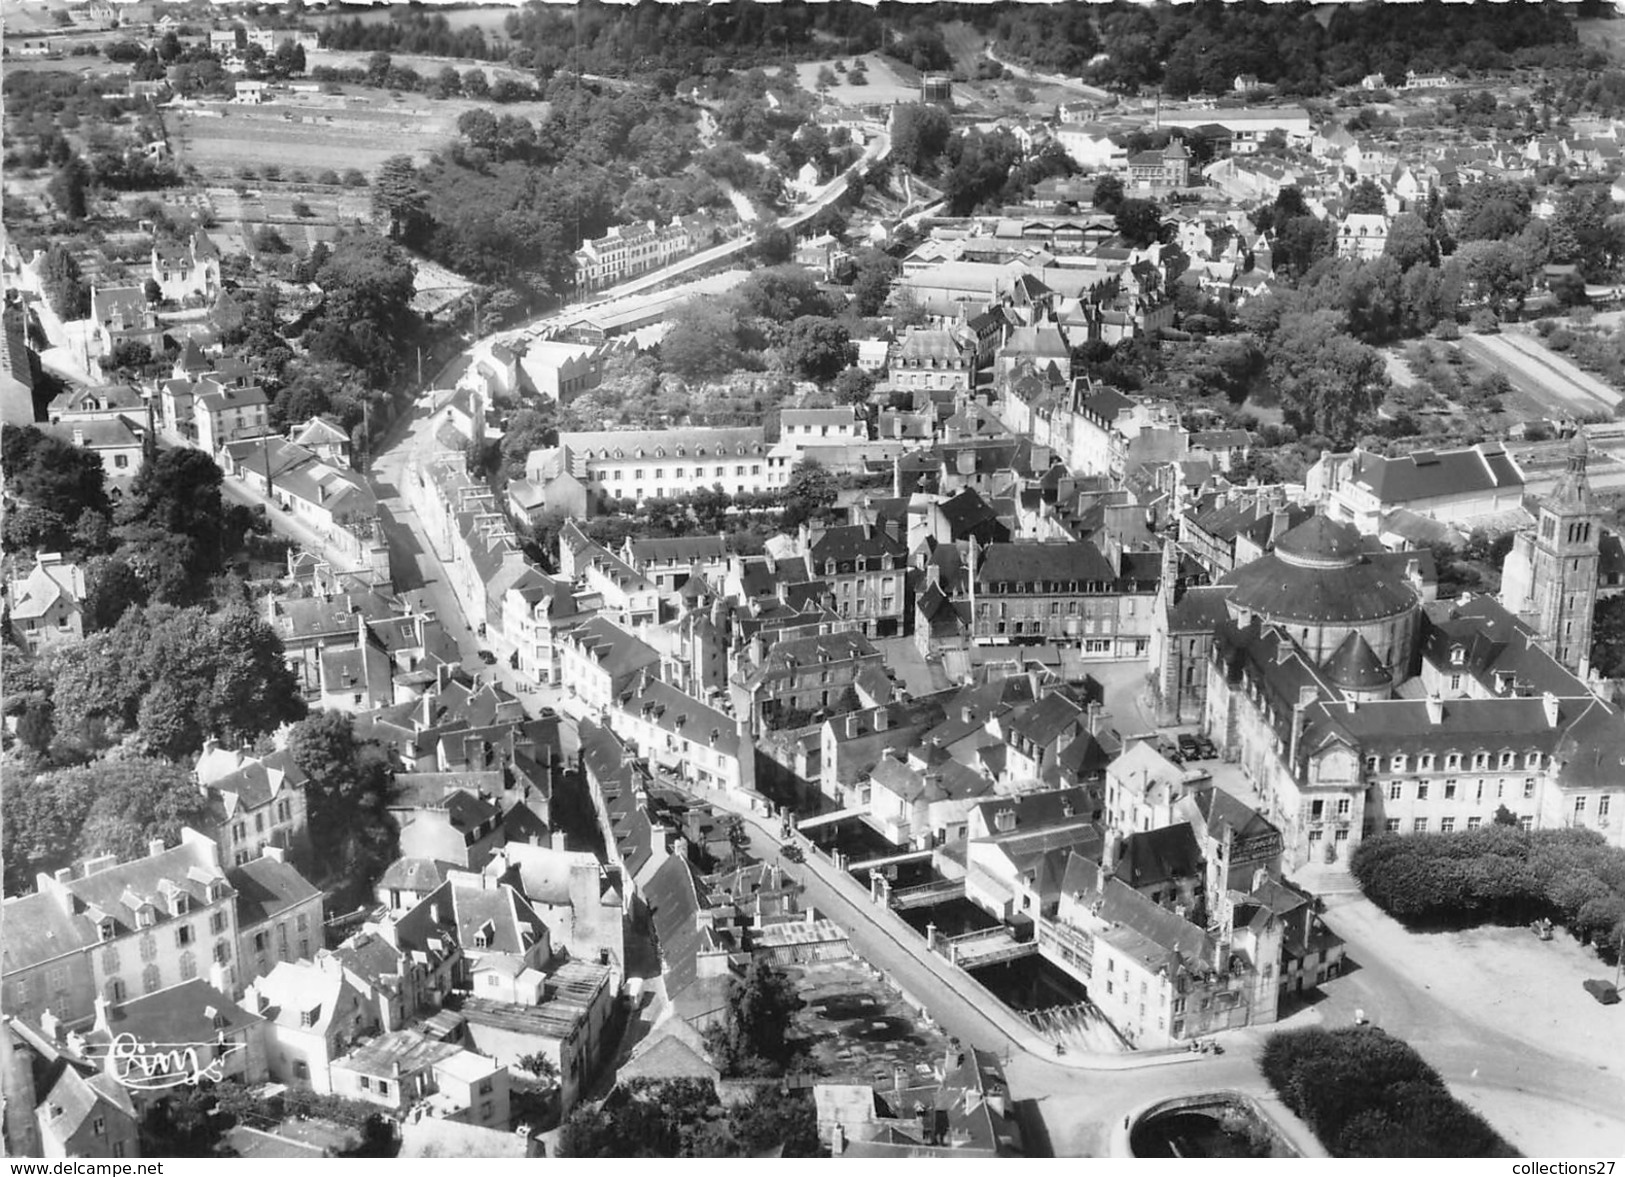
{"points": [[794, 853], [1188, 747], [1207, 749], [1169, 749], [488, 658], [547, 713], [1603, 991]]}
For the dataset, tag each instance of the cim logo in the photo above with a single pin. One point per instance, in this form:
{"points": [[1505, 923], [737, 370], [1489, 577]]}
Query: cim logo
{"points": [[157, 1066]]}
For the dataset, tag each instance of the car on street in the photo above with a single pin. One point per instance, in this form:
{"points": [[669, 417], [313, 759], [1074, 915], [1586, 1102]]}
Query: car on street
{"points": [[1206, 748], [488, 658], [794, 853], [547, 713], [1187, 746], [1603, 991], [1169, 749]]}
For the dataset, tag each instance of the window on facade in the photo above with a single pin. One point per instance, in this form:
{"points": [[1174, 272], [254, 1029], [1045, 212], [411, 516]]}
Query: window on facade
{"points": [[1344, 804], [1391, 825], [1419, 826], [183, 935], [1450, 790], [1602, 806], [1395, 789], [1447, 825], [1528, 789], [1526, 822], [1579, 805], [1422, 791], [1371, 763]]}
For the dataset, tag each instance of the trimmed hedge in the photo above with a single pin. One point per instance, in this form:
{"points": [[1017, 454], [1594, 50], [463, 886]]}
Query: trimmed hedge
{"points": [[1365, 1094], [1497, 872]]}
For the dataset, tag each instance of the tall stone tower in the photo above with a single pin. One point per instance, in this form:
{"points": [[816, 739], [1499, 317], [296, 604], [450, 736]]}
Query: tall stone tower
{"points": [[1567, 543]]}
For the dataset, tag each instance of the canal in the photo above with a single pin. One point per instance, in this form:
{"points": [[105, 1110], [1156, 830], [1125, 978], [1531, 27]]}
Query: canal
{"points": [[1031, 983]]}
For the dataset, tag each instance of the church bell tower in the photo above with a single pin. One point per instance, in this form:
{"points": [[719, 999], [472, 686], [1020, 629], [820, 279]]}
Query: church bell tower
{"points": [[1567, 553]]}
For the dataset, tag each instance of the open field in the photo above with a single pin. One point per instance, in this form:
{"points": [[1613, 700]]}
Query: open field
{"points": [[1552, 384], [316, 132], [888, 80]]}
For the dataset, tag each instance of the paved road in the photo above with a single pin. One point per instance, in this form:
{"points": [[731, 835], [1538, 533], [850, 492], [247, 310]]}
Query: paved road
{"points": [[1022, 72]]}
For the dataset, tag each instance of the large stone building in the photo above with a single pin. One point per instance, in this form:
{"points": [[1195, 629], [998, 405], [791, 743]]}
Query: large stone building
{"points": [[1357, 707], [1552, 576]]}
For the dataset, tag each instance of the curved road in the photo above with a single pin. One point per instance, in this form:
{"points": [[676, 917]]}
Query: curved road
{"points": [[1549, 1105]]}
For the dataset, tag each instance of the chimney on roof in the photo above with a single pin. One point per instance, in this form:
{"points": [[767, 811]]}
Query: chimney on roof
{"points": [[1279, 525], [156, 846], [1549, 702], [1435, 709], [1306, 696]]}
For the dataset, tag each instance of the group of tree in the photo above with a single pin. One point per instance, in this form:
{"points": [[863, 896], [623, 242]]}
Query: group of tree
{"points": [[162, 679], [353, 835], [1364, 1094], [753, 1038], [56, 817], [1498, 872], [686, 1118], [1203, 47]]}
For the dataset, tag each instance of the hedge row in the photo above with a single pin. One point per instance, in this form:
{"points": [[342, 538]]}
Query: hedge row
{"points": [[1497, 872], [1365, 1094]]}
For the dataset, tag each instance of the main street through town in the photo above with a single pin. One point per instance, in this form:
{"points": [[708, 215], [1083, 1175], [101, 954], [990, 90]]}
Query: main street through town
{"points": [[1547, 1103]]}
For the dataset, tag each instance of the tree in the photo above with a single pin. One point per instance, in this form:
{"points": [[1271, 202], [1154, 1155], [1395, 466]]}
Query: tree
{"points": [[873, 280], [777, 1122], [398, 199], [527, 430], [1498, 272], [67, 189], [352, 834], [153, 291], [1410, 242], [1328, 382], [1139, 222], [540, 1065], [809, 495], [774, 246], [752, 1038], [919, 134], [40, 820], [366, 320], [172, 513], [111, 588], [817, 348], [703, 340], [853, 386], [1366, 198], [137, 801], [63, 285], [1108, 196], [35, 727]]}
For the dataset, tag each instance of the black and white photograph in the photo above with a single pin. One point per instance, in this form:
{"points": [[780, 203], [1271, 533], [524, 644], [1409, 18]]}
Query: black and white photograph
{"points": [[801, 580]]}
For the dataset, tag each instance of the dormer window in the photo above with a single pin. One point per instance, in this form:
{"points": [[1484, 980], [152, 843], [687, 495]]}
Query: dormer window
{"points": [[1506, 760], [1452, 761], [1457, 655], [144, 918], [1481, 760], [1424, 762], [1531, 760], [1397, 764], [106, 930]]}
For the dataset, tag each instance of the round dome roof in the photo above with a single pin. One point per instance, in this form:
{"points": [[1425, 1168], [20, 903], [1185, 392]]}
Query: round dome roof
{"points": [[1297, 593], [1320, 543]]}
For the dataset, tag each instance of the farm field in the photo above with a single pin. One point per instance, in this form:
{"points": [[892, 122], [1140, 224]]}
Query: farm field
{"points": [[1549, 381], [317, 132]]}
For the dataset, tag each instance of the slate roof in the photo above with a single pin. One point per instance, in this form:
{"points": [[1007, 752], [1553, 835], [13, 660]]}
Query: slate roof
{"points": [[1151, 858], [1426, 474], [1318, 574], [1032, 562], [1355, 665], [613, 648], [177, 1014], [673, 898], [266, 888]]}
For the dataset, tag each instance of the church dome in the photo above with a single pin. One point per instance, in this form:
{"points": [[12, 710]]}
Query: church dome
{"points": [[1317, 576], [1320, 542]]}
